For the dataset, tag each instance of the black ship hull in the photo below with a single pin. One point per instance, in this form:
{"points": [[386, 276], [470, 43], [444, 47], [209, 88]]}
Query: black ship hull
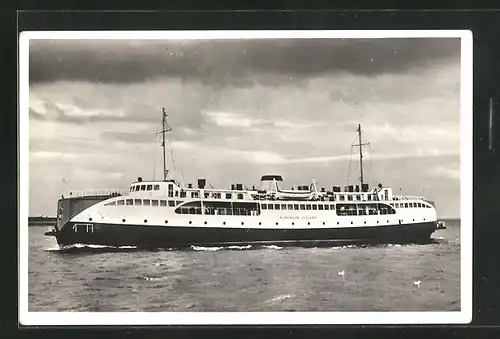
{"points": [[142, 236]]}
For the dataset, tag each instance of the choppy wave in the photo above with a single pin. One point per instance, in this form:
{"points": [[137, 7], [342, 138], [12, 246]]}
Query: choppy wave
{"points": [[281, 297], [206, 249], [65, 248], [272, 247], [145, 277], [247, 247]]}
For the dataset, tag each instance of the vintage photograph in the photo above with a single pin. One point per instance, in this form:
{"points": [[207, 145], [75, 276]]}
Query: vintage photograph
{"points": [[313, 175]]}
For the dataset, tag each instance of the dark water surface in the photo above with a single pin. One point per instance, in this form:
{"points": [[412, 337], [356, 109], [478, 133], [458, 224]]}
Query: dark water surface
{"points": [[272, 278]]}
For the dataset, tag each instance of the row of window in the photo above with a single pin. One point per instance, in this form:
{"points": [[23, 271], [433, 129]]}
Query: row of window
{"points": [[298, 207], [137, 188], [144, 202], [410, 205]]}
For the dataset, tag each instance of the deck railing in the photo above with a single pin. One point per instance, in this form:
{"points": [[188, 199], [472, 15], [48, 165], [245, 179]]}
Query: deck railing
{"points": [[94, 193]]}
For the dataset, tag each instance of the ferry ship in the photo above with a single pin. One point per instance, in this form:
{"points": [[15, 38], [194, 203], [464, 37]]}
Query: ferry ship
{"points": [[168, 214]]}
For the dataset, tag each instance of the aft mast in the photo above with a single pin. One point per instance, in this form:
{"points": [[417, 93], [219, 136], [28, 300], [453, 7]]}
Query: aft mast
{"points": [[360, 145]]}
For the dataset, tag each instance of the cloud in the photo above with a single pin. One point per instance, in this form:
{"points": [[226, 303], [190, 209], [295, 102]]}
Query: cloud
{"points": [[241, 63], [445, 172]]}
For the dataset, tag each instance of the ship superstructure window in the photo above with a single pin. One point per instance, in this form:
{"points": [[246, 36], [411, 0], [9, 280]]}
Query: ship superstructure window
{"points": [[183, 194], [276, 206], [264, 206], [349, 197], [229, 195], [283, 207], [163, 203], [157, 187], [308, 207], [406, 205], [130, 201], [138, 202], [143, 187], [320, 207], [270, 207], [176, 193], [219, 208], [170, 191], [327, 207], [149, 188], [171, 203], [290, 207], [120, 202], [296, 207], [146, 202], [240, 195], [302, 207], [315, 207], [342, 197], [110, 203], [195, 194], [154, 202]]}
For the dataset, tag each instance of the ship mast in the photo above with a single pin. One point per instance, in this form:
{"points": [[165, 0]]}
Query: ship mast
{"points": [[165, 129], [361, 178]]}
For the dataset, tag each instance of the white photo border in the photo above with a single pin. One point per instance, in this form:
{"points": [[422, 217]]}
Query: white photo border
{"points": [[247, 318]]}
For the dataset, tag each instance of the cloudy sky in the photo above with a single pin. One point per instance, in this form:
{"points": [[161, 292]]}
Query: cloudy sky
{"points": [[243, 108]]}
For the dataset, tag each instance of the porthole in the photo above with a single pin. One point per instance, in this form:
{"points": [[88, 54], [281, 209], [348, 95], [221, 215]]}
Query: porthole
{"points": [[323, 222], [242, 223], [308, 223], [338, 223], [190, 222], [90, 219], [293, 223], [365, 222], [424, 219], [166, 221], [205, 222], [223, 223], [413, 219], [351, 222], [377, 221], [260, 223], [276, 223], [145, 220], [387, 221], [123, 220]]}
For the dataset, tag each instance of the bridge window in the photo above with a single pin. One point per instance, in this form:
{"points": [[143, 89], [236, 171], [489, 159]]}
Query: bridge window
{"points": [[229, 195], [149, 188], [143, 187], [194, 194], [240, 196], [406, 205], [176, 193], [183, 194], [110, 203]]}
